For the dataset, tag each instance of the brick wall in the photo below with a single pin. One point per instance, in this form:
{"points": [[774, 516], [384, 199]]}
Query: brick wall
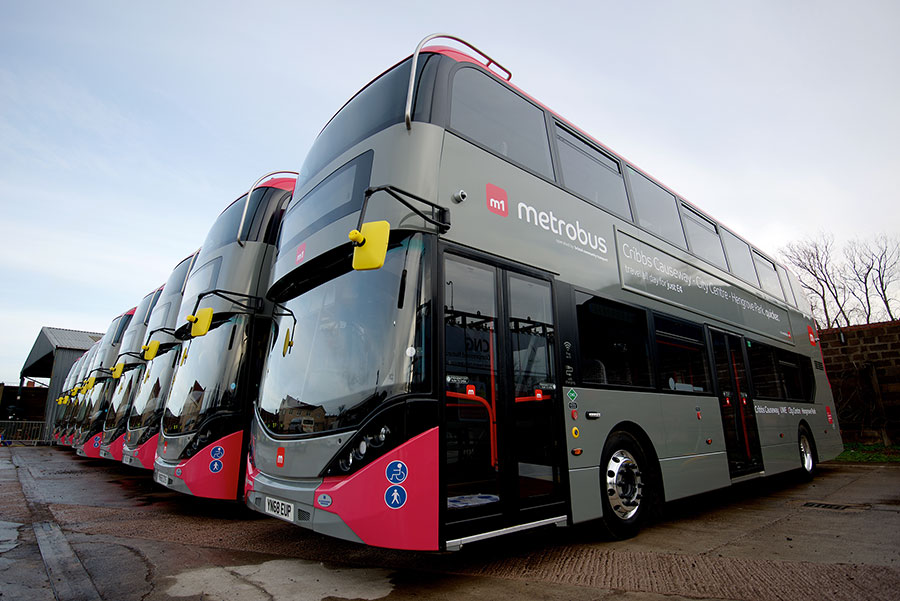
{"points": [[863, 365]]}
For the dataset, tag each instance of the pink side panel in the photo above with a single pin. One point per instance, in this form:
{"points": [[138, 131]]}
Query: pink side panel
{"points": [[213, 472], [92, 446], [361, 500], [116, 447], [147, 452]]}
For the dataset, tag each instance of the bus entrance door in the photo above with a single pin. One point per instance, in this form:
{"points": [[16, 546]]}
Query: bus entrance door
{"points": [[736, 404], [502, 461]]}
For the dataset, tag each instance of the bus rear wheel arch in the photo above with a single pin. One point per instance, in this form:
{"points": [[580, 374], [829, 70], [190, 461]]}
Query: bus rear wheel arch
{"points": [[629, 487]]}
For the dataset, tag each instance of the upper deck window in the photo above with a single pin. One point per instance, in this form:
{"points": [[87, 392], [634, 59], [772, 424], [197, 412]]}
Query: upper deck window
{"points": [[656, 209], [591, 174], [739, 257], [377, 106], [225, 229], [786, 285], [703, 237], [799, 293], [485, 111], [768, 277]]}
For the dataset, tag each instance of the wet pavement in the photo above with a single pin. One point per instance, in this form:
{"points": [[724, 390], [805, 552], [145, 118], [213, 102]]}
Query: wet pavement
{"points": [[74, 528]]}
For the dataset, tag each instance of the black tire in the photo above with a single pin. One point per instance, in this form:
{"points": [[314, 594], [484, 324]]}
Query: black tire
{"points": [[627, 485], [807, 448]]}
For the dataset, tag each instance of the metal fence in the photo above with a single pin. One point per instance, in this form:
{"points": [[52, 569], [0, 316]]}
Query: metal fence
{"points": [[24, 433]]}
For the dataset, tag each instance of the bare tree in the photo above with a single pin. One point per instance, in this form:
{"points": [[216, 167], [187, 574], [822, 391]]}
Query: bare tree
{"points": [[820, 274], [886, 270], [860, 269]]}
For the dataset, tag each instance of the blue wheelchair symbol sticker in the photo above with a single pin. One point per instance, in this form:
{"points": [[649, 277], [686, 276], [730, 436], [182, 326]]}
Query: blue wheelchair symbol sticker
{"points": [[217, 452], [395, 496], [215, 466], [396, 472], [96, 441]]}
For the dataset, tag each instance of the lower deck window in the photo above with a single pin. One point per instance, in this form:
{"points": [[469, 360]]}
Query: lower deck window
{"points": [[614, 344], [683, 362]]}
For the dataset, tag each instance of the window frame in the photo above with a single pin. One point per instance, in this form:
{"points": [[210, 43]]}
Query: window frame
{"points": [[448, 124], [557, 125], [579, 358], [704, 349]]}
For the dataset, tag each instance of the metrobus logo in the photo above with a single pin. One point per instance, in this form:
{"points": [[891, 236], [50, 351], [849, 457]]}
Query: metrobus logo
{"points": [[497, 201], [570, 234]]}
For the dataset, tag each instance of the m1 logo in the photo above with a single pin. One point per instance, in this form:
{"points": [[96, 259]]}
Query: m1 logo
{"points": [[301, 254], [279, 457], [497, 201], [812, 335]]}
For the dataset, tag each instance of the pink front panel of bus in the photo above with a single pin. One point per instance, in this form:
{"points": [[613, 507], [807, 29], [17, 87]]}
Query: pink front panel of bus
{"points": [[391, 512], [115, 449], [213, 472], [146, 453], [92, 447]]}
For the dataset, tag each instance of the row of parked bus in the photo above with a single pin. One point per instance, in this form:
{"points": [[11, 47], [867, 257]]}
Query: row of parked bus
{"points": [[171, 377], [579, 343]]}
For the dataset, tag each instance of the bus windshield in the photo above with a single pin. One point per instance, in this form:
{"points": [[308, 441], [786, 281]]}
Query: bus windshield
{"points": [[207, 378], [118, 404], [153, 388], [359, 340], [91, 405]]}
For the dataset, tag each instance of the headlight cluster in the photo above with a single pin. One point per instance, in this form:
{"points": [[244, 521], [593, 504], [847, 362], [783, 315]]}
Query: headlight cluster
{"points": [[383, 432], [368, 444]]}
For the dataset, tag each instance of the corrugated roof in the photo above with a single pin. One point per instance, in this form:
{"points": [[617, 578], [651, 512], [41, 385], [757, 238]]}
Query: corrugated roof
{"points": [[40, 359], [73, 339]]}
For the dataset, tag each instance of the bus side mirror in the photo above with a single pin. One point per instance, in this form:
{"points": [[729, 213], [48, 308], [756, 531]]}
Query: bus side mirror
{"points": [[288, 343], [117, 371], [150, 349], [370, 242], [200, 322], [90, 383]]}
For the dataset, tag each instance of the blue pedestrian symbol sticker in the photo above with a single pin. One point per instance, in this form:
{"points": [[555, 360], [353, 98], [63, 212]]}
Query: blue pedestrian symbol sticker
{"points": [[396, 472], [395, 496], [96, 441], [215, 466], [217, 452]]}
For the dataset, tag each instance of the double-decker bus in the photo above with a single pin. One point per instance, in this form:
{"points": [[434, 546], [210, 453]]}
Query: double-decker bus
{"points": [[77, 396], [224, 323], [161, 352], [576, 343], [99, 389], [66, 397], [126, 375]]}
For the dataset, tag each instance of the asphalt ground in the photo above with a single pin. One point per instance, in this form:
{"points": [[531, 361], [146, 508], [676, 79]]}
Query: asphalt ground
{"points": [[77, 529]]}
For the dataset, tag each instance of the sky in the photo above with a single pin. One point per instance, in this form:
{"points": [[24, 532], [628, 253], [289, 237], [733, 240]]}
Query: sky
{"points": [[125, 127]]}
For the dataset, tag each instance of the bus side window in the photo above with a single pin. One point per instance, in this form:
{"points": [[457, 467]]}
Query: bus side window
{"points": [[485, 111], [613, 342], [591, 174], [656, 209], [683, 360]]}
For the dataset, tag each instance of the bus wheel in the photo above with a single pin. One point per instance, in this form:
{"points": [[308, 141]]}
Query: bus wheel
{"points": [[625, 485], [807, 453]]}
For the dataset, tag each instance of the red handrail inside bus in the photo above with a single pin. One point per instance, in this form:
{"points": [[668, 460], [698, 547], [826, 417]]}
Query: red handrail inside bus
{"points": [[491, 417]]}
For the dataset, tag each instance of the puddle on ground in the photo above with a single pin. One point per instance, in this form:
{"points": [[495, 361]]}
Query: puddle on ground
{"points": [[9, 536], [282, 579]]}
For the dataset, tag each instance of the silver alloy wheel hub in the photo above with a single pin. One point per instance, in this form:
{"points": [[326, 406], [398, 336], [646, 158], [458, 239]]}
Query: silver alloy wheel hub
{"points": [[623, 484], [806, 455]]}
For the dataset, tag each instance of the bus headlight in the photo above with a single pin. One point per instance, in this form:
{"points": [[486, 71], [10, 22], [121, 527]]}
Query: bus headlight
{"points": [[346, 463], [360, 451]]}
